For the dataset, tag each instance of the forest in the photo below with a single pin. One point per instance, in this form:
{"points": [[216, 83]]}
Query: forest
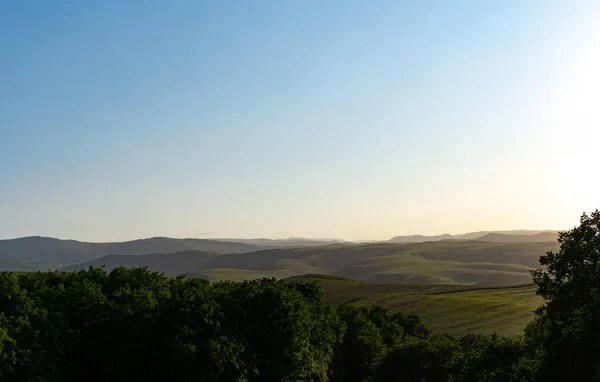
{"points": [[138, 325]]}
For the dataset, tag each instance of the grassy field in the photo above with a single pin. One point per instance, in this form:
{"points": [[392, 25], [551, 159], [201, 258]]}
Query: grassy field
{"points": [[454, 309]]}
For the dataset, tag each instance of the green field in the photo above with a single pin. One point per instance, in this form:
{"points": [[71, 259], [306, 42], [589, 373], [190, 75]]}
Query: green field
{"points": [[454, 309]]}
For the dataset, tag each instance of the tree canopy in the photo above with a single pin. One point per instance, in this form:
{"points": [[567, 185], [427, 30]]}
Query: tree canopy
{"points": [[568, 323], [136, 325]]}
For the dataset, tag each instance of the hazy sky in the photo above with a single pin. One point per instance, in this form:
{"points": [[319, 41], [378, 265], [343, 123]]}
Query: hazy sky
{"points": [[348, 119]]}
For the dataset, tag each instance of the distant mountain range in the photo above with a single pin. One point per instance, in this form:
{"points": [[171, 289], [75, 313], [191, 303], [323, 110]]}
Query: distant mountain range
{"points": [[514, 236], [43, 252], [175, 256]]}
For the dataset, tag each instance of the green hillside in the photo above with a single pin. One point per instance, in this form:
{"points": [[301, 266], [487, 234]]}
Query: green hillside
{"points": [[455, 309], [442, 262]]}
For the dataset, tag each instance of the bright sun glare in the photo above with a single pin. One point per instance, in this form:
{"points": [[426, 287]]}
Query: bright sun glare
{"points": [[574, 119]]}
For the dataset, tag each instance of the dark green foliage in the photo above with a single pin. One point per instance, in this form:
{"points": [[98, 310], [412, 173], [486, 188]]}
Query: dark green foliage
{"points": [[390, 328], [362, 348], [134, 325], [566, 331], [411, 324], [419, 360], [441, 357], [370, 335], [493, 358], [284, 337]]}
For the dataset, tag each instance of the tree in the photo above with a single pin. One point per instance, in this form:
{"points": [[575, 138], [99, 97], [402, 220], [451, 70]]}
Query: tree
{"points": [[419, 360], [287, 331], [492, 359], [411, 325], [362, 348], [391, 331], [28, 338], [568, 323]]}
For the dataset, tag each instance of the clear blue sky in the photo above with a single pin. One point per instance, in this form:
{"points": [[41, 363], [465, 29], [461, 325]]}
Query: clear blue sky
{"points": [[347, 119]]}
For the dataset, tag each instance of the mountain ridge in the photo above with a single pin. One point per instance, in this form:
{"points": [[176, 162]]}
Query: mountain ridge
{"points": [[58, 253], [43, 253]]}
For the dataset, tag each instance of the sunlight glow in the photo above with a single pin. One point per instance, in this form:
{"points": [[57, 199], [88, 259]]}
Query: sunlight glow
{"points": [[573, 113]]}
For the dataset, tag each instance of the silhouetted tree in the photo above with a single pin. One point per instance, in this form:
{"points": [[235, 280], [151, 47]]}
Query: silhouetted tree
{"points": [[566, 330]]}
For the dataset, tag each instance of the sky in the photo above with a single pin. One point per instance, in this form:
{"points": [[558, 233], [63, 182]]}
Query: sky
{"points": [[331, 119]]}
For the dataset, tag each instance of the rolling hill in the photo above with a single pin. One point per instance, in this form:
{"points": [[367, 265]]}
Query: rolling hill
{"points": [[443, 262]]}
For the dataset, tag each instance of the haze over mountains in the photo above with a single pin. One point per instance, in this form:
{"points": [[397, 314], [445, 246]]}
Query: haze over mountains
{"points": [[477, 258]]}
